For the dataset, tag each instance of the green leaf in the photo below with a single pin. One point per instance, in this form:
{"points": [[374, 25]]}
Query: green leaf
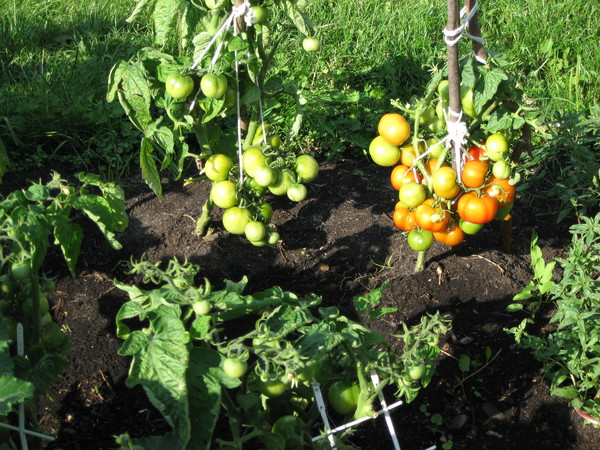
{"points": [[99, 210], [12, 391], [69, 236], [135, 97], [568, 392], [491, 81], [165, 19], [149, 170], [114, 79], [252, 95], [514, 307], [169, 441], [159, 364], [295, 11], [464, 363], [204, 395]]}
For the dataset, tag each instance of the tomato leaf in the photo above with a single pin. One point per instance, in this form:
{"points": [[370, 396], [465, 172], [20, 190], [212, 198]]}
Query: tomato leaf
{"points": [[203, 395], [464, 363], [12, 391], [149, 170], [69, 236], [165, 19], [294, 9]]}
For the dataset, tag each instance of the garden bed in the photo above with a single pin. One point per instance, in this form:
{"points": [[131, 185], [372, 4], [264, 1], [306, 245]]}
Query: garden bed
{"points": [[339, 243]]}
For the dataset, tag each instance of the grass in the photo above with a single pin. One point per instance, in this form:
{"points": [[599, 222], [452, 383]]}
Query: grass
{"points": [[57, 55]]}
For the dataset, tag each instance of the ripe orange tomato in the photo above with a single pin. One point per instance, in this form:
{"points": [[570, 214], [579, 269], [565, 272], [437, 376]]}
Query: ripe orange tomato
{"points": [[404, 218], [473, 173], [477, 152], [451, 235], [402, 174], [501, 190], [444, 182], [476, 209], [394, 128], [430, 216]]}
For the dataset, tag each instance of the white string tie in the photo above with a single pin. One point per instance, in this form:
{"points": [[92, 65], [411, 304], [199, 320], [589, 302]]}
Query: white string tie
{"points": [[452, 37]]}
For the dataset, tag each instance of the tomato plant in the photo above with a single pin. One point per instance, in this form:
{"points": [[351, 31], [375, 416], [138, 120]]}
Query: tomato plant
{"points": [[430, 216], [188, 100], [496, 147], [404, 218], [402, 174], [474, 173]]}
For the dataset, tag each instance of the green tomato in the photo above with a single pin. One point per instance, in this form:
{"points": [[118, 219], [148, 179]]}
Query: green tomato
{"points": [[21, 271], [435, 146], [307, 168], [27, 306], [501, 169], [201, 307], [383, 153], [416, 372], [281, 185], [466, 101], [412, 194], [234, 367], [469, 227], [272, 387], [224, 194], [273, 237], [256, 189], [420, 240], [252, 159], [259, 14], [7, 285], [436, 125], [265, 176], [292, 428], [178, 86], [213, 86], [496, 147], [343, 398], [217, 167], [297, 192], [265, 211], [235, 219], [255, 231], [444, 90], [427, 116], [310, 44]]}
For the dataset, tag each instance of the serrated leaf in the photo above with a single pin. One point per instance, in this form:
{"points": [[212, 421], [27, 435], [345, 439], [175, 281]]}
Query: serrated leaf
{"points": [[491, 80], [138, 9], [69, 236], [100, 212], [114, 79], [203, 396], [149, 169], [165, 19], [252, 95], [135, 97], [12, 391]]}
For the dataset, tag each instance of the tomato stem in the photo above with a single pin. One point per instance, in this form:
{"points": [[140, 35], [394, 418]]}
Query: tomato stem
{"points": [[204, 218], [420, 265]]}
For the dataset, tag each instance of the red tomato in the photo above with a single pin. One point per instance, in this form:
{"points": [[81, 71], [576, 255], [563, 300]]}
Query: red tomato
{"points": [[476, 209], [477, 152]]}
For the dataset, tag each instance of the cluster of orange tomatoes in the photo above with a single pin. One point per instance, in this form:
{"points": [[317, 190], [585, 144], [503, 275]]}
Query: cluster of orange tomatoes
{"points": [[434, 203]]}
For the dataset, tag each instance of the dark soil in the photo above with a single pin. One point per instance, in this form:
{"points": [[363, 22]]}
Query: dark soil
{"points": [[339, 243]]}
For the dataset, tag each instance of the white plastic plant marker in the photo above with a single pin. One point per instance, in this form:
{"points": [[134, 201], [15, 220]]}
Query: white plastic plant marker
{"points": [[323, 412], [21, 428]]}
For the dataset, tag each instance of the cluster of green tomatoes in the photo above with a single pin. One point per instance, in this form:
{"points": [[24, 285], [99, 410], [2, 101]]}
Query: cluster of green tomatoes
{"points": [[246, 212]]}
